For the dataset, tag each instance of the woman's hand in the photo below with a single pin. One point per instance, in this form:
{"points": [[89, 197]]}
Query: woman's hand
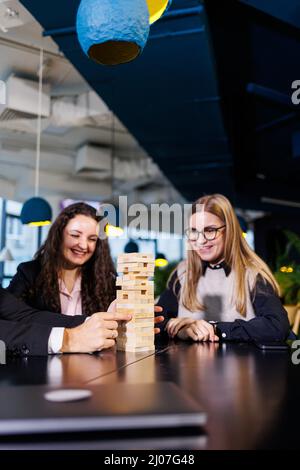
{"points": [[98, 332], [198, 330], [176, 324], [113, 306], [158, 319]]}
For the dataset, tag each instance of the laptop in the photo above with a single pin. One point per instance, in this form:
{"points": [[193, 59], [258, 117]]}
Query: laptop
{"points": [[112, 407]]}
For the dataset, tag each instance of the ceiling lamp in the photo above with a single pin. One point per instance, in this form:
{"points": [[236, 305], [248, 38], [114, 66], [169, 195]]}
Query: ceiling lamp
{"points": [[157, 8], [112, 231], [112, 32], [113, 228], [161, 261], [131, 247], [243, 225], [37, 211]]}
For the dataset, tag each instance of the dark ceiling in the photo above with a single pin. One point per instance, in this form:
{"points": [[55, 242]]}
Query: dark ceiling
{"points": [[237, 134]]}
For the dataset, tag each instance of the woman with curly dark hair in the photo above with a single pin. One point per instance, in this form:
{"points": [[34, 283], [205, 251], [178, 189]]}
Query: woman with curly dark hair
{"points": [[73, 272]]}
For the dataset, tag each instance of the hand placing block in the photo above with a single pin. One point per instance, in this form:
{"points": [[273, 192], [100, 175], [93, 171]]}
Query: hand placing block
{"points": [[135, 296]]}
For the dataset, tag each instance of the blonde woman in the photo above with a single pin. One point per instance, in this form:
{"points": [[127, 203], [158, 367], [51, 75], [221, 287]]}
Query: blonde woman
{"points": [[223, 291]]}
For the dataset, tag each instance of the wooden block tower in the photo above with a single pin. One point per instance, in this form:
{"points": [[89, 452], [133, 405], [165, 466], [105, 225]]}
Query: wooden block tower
{"points": [[135, 296]]}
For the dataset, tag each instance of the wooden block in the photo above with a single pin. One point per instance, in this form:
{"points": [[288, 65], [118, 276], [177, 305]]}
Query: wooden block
{"points": [[139, 272], [135, 341], [146, 271], [144, 294], [137, 315], [140, 340], [136, 303], [139, 262], [140, 307], [134, 328], [139, 333], [135, 257], [137, 266], [136, 307], [134, 277], [140, 321], [149, 290], [146, 333], [127, 348], [135, 296], [141, 301], [141, 283], [134, 283], [137, 293], [123, 346], [137, 321]]}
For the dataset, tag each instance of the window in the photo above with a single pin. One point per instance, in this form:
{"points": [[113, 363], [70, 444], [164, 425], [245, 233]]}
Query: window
{"points": [[20, 239]]}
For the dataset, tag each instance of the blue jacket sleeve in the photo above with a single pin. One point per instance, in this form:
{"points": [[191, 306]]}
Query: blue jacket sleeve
{"points": [[24, 339], [169, 302], [270, 324], [24, 330]]}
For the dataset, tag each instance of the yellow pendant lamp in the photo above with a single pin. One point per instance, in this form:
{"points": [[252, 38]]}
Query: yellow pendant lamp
{"points": [[157, 8], [161, 261]]}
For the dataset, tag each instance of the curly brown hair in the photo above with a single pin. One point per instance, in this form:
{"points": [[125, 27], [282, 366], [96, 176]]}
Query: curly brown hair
{"points": [[97, 274]]}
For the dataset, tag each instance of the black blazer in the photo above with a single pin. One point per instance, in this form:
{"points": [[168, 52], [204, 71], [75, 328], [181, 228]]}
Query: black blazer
{"points": [[25, 330], [24, 281], [270, 324]]}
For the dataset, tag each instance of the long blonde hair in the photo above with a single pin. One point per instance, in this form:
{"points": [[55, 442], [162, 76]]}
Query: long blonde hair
{"points": [[237, 255]]}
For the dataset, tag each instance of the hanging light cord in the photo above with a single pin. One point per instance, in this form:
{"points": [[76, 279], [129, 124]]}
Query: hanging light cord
{"points": [[113, 142], [39, 125]]}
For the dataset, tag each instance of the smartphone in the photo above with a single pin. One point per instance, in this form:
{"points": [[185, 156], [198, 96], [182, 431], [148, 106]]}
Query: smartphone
{"points": [[272, 345]]}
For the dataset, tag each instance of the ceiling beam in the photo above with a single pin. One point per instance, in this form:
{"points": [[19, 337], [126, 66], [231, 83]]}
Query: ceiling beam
{"points": [[276, 97], [174, 14]]}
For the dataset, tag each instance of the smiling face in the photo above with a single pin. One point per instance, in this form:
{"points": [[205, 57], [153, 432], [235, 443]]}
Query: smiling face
{"points": [[211, 251], [79, 240]]}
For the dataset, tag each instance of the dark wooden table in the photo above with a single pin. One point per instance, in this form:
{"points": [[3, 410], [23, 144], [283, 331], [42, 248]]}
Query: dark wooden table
{"points": [[251, 397]]}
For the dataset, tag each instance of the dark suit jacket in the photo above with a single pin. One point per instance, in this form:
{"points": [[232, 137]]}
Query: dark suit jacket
{"points": [[24, 281], [26, 330]]}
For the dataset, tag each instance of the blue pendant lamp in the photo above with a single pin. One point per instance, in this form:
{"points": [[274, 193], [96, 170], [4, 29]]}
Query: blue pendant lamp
{"points": [[112, 32], [131, 247], [157, 8], [37, 211]]}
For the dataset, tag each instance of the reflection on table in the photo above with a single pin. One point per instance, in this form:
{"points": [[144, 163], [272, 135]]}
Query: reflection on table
{"points": [[250, 396]]}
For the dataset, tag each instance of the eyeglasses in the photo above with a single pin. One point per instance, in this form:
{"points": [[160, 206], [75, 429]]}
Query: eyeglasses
{"points": [[209, 233]]}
